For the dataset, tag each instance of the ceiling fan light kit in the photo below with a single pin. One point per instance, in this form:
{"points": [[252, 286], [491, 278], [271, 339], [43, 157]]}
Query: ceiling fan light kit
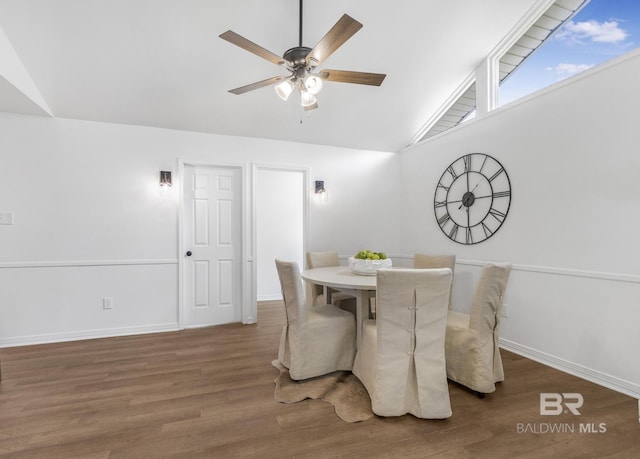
{"points": [[284, 89], [313, 83], [301, 62], [307, 99]]}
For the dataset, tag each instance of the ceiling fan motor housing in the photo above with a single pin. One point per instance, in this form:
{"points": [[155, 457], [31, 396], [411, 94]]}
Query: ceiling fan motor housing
{"points": [[297, 56]]}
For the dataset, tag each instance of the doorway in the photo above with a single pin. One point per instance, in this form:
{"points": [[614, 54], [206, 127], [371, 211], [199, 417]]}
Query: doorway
{"points": [[280, 224]]}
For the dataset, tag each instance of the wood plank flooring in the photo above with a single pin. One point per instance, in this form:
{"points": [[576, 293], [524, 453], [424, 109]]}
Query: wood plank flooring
{"points": [[209, 393]]}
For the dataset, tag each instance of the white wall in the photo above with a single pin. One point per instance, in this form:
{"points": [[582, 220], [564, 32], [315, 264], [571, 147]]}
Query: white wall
{"points": [[572, 230], [90, 220]]}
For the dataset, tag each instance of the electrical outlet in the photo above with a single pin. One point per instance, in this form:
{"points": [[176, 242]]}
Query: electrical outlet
{"points": [[107, 302], [6, 218], [505, 310]]}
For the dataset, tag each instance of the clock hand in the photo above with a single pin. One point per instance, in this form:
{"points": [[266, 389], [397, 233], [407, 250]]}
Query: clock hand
{"points": [[481, 197]]}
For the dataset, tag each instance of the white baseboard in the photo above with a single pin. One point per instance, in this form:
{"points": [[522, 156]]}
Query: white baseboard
{"points": [[270, 297], [602, 379], [86, 334]]}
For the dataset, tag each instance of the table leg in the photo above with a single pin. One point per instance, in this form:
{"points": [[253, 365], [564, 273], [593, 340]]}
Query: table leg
{"points": [[327, 295], [362, 312]]}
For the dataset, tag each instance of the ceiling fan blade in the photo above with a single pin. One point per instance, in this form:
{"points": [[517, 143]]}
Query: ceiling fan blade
{"points": [[250, 46], [347, 76], [342, 30], [258, 85]]}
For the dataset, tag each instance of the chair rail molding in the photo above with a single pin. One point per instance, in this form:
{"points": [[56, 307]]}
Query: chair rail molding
{"points": [[87, 263], [406, 260], [620, 277]]}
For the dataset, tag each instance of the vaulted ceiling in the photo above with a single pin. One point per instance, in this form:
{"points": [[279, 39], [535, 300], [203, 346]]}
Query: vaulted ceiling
{"points": [[161, 63]]}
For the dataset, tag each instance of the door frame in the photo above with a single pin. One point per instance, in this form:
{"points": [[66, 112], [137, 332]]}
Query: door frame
{"points": [[248, 284], [255, 167]]}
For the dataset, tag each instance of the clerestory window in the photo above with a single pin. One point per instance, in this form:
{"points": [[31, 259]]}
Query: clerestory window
{"points": [[570, 37], [600, 31]]}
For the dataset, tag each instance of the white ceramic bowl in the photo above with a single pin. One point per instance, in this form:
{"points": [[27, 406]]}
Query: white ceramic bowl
{"points": [[368, 267]]}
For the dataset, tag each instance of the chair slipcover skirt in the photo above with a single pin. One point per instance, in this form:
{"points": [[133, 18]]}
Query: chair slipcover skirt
{"points": [[401, 358], [314, 341], [472, 352]]}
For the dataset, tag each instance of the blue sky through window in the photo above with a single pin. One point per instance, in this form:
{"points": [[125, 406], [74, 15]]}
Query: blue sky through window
{"points": [[602, 30]]}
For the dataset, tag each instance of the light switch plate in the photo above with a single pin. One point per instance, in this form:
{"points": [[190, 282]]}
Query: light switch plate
{"points": [[6, 218]]}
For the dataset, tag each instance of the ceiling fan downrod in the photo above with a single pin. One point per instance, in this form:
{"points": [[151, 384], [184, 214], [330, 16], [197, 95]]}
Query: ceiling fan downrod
{"points": [[300, 28], [298, 55]]}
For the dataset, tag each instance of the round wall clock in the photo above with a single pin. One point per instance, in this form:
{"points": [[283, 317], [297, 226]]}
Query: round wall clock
{"points": [[472, 198]]}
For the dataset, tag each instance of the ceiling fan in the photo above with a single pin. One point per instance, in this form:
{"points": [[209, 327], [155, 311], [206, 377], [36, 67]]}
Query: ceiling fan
{"points": [[302, 61]]}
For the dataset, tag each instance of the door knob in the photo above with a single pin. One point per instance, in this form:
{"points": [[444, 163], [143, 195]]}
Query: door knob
{"points": [[189, 253]]}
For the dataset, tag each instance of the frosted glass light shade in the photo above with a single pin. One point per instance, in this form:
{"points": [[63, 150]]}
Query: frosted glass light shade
{"points": [[313, 84], [307, 99], [284, 89]]}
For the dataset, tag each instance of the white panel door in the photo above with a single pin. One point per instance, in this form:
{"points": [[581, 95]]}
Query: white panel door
{"points": [[212, 241]]}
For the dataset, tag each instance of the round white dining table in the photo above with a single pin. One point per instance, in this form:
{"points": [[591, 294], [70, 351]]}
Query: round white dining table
{"points": [[342, 279]]}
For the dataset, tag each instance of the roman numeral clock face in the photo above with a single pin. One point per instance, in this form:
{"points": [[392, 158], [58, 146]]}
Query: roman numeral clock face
{"points": [[472, 198]]}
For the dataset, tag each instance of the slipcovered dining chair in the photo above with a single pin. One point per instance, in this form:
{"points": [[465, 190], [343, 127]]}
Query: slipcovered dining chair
{"points": [[401, 358], [316, 292], [471, 345], [314, 341], [425, 261]]}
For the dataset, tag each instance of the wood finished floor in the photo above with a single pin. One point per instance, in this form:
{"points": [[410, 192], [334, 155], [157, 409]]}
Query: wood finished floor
{"points": [[209, 393]]}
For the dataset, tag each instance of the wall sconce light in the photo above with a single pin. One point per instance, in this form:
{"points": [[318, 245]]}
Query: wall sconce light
{"points": [[165, 178], [321, 191]]}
